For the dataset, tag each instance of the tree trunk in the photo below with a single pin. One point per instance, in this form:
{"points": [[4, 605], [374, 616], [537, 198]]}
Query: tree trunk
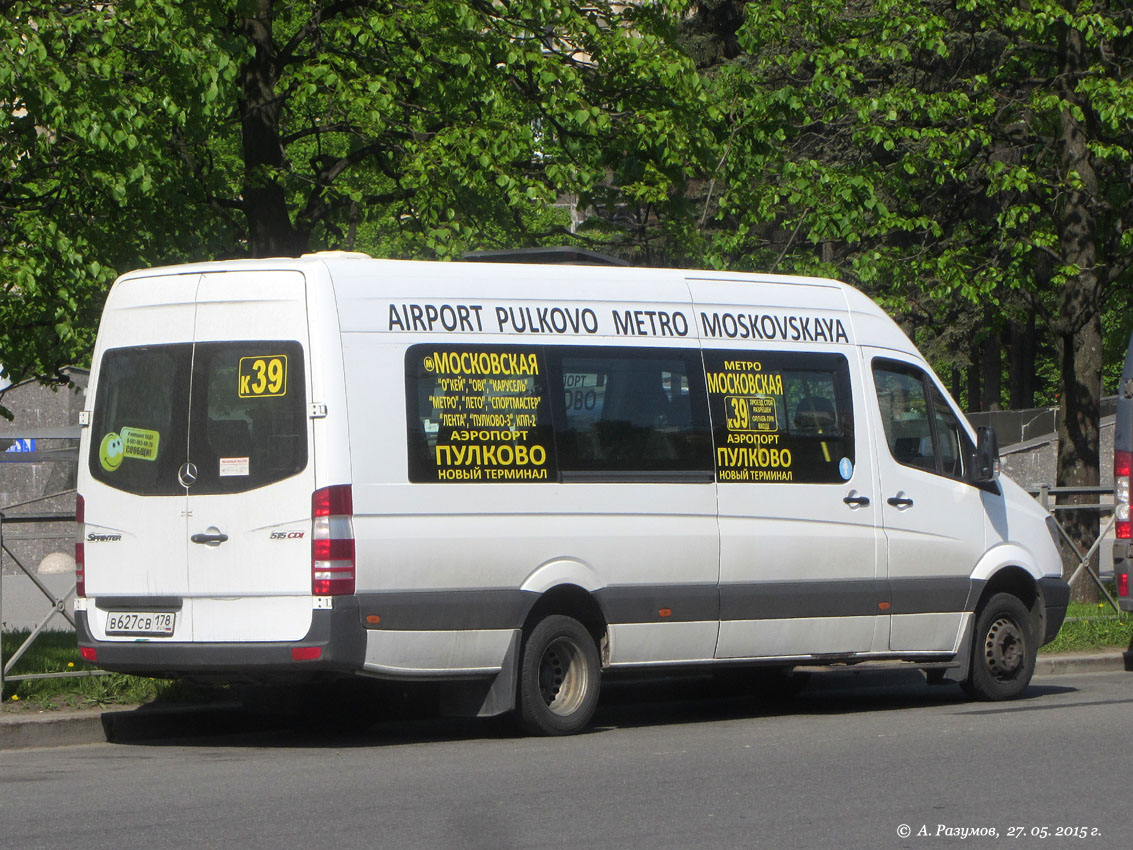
{"points": [[1078, 454], [270, 231], [1021, 381], [1079, 324], [991, 363], [974, 373]]}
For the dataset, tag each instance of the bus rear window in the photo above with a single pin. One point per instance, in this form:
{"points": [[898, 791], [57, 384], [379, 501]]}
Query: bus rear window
{"points": [[235, 410]]}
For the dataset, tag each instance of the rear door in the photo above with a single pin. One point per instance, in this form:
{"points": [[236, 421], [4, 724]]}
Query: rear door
{"points": [[135, 542], [249, 497], [201, 499]]}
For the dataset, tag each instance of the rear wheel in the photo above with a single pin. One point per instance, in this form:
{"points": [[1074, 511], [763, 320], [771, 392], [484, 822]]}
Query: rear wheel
{"points": [[1003, 650], [558, 677]]}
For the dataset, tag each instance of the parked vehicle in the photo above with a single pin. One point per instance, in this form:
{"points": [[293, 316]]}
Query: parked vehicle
{"points": [[513, 477], [1122, 465]]}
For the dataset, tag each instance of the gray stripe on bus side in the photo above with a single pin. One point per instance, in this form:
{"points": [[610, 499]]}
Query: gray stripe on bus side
{"points": [[499, 608], [446, 610]]}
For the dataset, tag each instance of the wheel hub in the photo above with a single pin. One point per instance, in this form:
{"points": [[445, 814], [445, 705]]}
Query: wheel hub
{"points": [[560, 678], [1003, 649]]}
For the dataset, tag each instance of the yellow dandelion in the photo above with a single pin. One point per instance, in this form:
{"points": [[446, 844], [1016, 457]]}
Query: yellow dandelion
{"points": [[15, 697], [70, 663]]}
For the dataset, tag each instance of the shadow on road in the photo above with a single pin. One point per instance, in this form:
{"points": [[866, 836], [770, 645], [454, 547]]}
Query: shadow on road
{"points": [[360, 722]]}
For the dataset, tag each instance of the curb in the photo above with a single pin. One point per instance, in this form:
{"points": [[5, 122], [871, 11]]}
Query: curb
{"points": [[51, 730], [148, 722], [1100, 662], [123, 725]]}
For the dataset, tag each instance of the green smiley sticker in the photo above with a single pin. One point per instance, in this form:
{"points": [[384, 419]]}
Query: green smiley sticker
{"points": [[110, 452]]}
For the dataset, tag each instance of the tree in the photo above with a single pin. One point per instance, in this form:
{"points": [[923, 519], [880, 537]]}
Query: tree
{"points": [[928, 149], [88, 103], [156, 131]]}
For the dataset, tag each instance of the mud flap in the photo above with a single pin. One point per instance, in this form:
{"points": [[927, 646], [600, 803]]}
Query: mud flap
{"points": [[486, 697], [962, 670]]}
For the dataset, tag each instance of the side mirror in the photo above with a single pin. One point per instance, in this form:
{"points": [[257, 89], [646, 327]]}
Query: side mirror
{"points": [[985, 460]]}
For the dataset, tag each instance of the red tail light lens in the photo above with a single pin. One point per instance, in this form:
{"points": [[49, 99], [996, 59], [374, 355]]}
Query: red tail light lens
{"points": [[1122, 469], [80, 549], [332, 541], [1123, 585], [333, 501]]}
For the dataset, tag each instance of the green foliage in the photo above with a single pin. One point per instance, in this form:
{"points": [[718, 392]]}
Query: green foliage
{"points": [[927, 151], [919, 149], [150, 132], [91, 105]]}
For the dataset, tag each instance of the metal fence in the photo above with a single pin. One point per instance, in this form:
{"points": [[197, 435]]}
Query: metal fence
{"points": [[1046, 494], [18, 515]]}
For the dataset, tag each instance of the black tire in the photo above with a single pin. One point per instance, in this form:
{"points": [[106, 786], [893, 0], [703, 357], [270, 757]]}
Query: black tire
{"points": [[559, 677], [1003, 650]]}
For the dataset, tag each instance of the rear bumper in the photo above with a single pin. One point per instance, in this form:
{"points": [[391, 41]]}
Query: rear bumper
{"points": [[1056, 596], [336, 634]]}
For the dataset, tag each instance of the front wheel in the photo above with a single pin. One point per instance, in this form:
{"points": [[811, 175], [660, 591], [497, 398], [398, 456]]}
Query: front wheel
{"points": [[1003, 650], [558, 677]]}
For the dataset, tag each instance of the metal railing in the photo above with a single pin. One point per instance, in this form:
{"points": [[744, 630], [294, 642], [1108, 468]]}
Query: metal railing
{"points": [[1044, 494], [57, 604]]}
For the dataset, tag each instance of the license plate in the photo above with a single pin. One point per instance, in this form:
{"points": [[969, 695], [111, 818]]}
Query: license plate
{"points": [[154, 623]]}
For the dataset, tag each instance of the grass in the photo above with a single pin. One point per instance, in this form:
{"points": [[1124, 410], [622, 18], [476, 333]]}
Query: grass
{"points": [[56, 651], [1092, 627], [1087, 627]]}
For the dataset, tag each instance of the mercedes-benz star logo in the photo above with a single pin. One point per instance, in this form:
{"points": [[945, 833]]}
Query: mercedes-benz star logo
{"points": [[187, 474]]}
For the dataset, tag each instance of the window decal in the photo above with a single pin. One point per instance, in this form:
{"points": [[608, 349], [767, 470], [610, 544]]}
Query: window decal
{"points": [[780, 418], [478, 415], [263, 377]]}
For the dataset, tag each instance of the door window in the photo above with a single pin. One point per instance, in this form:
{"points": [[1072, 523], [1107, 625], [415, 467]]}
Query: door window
{"points": [[781, 417], [921, 428]]}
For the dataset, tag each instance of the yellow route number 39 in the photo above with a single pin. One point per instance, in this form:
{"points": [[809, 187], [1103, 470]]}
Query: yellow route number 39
{"points": [[263, 377]]}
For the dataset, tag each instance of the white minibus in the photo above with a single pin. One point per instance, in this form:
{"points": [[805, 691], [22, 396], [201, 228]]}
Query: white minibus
{"points": [[516, 478]]}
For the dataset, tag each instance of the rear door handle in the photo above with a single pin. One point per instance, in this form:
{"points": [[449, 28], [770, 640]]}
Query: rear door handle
{"points": [[856, 501], [900, 501], [209, 539]]}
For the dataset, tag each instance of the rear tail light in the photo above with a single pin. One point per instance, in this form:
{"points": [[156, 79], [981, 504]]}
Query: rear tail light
{"points": [[332, 541], [1122, 464], [1123, 585], [80, 551]]}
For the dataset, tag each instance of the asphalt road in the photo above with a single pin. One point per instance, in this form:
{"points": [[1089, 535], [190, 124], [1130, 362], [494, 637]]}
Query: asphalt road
{"points": [[847, 764]]}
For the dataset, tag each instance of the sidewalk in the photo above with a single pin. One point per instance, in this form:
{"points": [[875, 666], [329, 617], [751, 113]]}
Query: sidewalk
{"points": [[123, 724]]}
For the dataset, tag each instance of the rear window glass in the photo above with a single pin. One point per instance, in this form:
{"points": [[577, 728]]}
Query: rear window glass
{"points": [[235, 410], [141, 417], [249, 423]]}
